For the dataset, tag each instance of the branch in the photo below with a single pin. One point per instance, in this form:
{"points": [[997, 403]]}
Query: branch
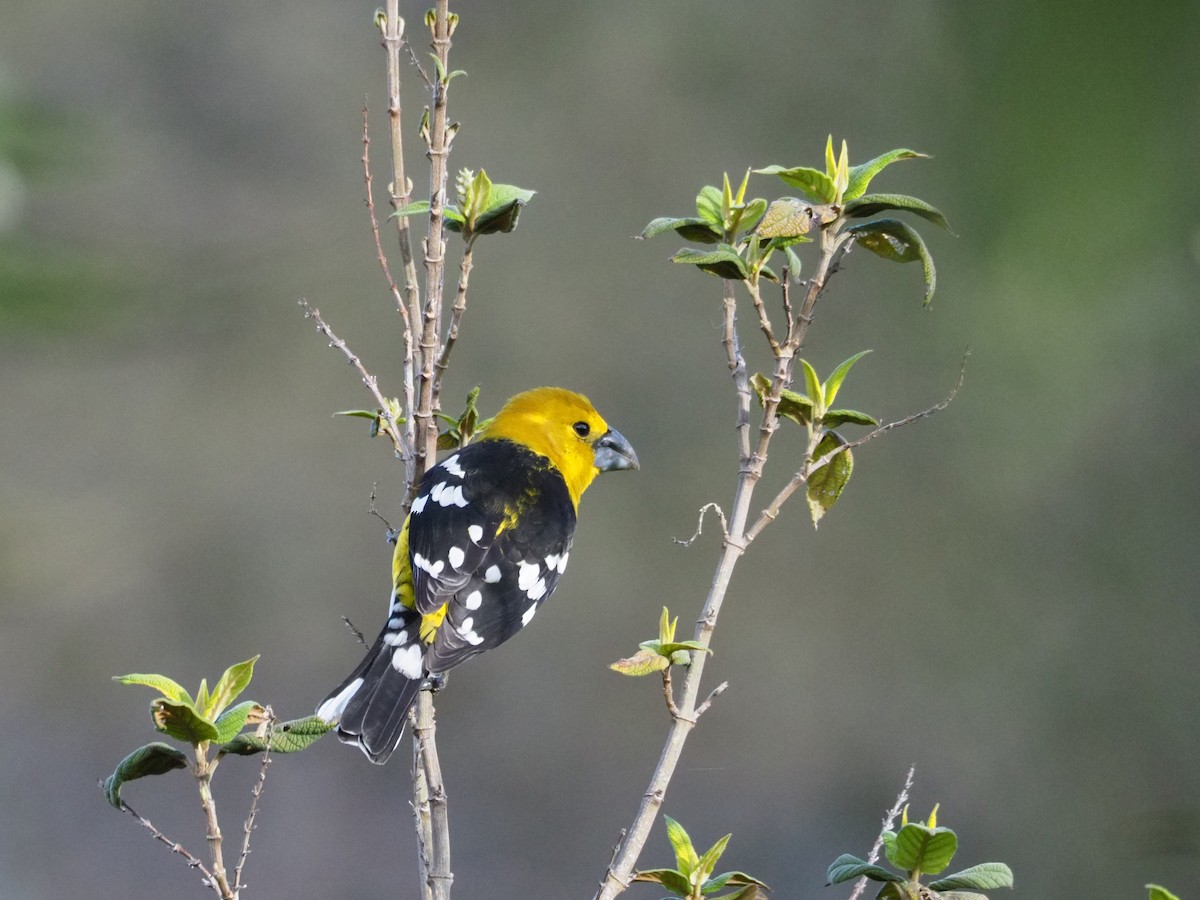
{"points": [[256, 791], [175, 847], [203, 773], [887, 823], [460, 307], [435, 852], [771, 512], [700, 525]]}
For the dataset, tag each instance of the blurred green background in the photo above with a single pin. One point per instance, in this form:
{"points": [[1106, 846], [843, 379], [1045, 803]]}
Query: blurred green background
{"points": [[1005, 597]]}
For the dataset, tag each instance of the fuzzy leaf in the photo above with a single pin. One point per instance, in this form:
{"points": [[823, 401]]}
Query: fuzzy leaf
{"points": [[815, 183], [895, 240], [503, 208], [834, 382], [812, 384], [711, 857], [730, 879], [287, 737], [872, 204], [981, 877], [792, 405], [786, 217], [848, 866], [415, 208], [168, 687], [685, 854], [918, 846], [152, 759], [826, 484], [691, 228], [709, 205], [673, 881], [644, 662], [723, 262], [234, 719], [836, 417], [232, 683], [960, 895], [860, 176], [748, 214], [672, 647], [1158, 892], [181, 721]]}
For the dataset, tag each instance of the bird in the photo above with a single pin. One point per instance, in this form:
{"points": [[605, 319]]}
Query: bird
{"points": [[485, 542]]}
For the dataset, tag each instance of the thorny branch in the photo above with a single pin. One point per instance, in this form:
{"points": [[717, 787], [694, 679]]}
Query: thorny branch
{"points": [[888, 819], [248, 826], [174, 846]]}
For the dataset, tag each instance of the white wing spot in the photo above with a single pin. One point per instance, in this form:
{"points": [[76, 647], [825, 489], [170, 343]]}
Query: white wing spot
{"points": [[528, 575], [467, 630], [450, 464], [456, 557], [474, 600], [453, 497], [331, 710], [396, 639], [528, 615], [537, 590], [562, 562], [492, 575], [419, 504], [475, 532], [407, 661]]}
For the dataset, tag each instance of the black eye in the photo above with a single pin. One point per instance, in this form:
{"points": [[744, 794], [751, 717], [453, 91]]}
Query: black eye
{"points": [[582, 429]]}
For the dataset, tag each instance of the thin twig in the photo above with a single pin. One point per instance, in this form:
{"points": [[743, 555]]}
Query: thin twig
{"points": [[888, 819], [669, 693], [358, 635], [368, 379], [456, 315], [771, 512], [713, 695], [700, 524], [174, 846], [256, 793]]}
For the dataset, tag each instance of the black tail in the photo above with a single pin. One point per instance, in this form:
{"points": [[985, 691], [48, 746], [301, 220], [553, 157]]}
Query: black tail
{"points": [[371, 705]]}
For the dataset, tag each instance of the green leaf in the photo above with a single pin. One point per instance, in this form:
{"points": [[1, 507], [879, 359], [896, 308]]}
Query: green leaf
{"points": [[816, 393], [723, 262], [153, 759], [792, 405], [502, 211], [860, 176], [786, 217], [894, 240], [1158, 892], [287, 737], [981, 877], [750, 892], [670, 648], [685, 854], [836, 417], [673, 881], [644, 662], [234, 719], [960, 895], [815, 183], [918, 846], [826, 484], [232, 683], [711, 857], [872, 204], [708, 206], [168, 687], [793, 262], [732, 879], [691, 228], [834, 382], [848, 866], [181, 721], [360, 413], [411, 209], [748, 214]]}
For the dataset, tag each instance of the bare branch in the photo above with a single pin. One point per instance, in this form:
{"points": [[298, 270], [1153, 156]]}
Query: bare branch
{"points": [[460, 307], [716, 692], [393, 429], [256, 792], [887, 823], [175, 847], [438, 875]]}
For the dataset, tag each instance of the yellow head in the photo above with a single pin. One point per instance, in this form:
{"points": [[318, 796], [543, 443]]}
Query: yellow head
{"points": [[565, 428]]}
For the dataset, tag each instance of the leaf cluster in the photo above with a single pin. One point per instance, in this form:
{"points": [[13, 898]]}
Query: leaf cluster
{"points": [[458, 431], [692, 878], [813, 409], [922, 848], [483, 207], [748, 232], [656, 655]]}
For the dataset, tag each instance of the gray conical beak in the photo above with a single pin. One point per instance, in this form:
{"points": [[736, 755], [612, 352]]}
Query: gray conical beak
{"points": [[614, 452]]}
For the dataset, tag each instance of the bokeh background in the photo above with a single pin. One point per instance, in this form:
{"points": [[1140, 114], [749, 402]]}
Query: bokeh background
{"points": [[1005, 597]]}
